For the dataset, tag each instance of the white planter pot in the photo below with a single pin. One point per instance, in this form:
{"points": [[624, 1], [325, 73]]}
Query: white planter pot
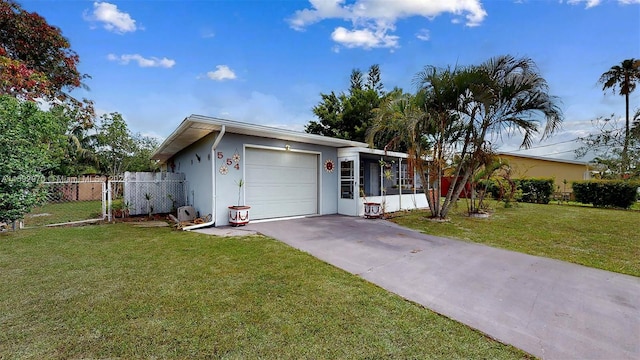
{"points": [[372, 210], [239, 215]]}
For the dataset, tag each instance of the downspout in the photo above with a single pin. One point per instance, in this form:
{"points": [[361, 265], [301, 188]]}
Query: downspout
{"points": [[213, 184]]}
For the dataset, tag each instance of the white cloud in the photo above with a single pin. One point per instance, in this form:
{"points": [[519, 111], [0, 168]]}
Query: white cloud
{"points": [[594, 3], [589, 3], [142, 61], [365, 38], [423, 35], [372, 20], [322, 9], [222, 72], [112, 19]]}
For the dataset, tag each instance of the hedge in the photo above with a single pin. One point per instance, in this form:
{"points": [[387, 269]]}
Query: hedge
{"points": [[606, 193], [532, 190], [536, 191]]}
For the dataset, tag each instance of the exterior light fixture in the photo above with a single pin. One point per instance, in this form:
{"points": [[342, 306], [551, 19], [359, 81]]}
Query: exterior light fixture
{"points": [[287, 147]]}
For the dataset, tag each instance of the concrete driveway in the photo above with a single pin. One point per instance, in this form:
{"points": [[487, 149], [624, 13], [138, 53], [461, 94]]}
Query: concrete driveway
{"points": [[549, 308]]}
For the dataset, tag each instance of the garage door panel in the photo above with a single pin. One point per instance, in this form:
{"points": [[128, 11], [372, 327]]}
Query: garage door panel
{"points": [[299, 191], [291, 176], [284, 209], [281, 183]]}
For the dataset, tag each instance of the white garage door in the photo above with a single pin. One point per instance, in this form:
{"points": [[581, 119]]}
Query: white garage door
{"points": [[281, 183]]}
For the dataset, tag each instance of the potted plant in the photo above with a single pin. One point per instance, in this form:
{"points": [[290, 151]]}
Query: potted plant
{"points": [[125, 209], [372, 210], [239, 214], [148, 197], [116, 209]]}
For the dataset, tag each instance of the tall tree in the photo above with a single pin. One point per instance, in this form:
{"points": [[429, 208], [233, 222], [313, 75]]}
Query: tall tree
{"points": [[115, 145], [79, 156], [118, 150], [402, 122], [31, 141], [606, 144], [356, 80], [439, 93], [36, 61], [374, 80], [349, 115], [624, 77], [424, 124]]}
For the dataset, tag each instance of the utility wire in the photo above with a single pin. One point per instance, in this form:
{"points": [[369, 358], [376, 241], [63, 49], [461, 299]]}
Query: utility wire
{"points": [[543, 146], [559, 152]]}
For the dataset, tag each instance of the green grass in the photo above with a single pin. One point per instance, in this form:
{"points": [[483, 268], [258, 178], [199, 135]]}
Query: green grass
{"points": [[601, 238], [55, 213], [117, 291]]}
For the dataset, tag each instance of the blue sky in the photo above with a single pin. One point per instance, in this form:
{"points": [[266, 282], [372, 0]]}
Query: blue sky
{"points": [[267, 62]]}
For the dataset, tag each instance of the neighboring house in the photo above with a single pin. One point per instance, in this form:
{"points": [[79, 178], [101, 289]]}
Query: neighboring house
{"points": [[526, 166], [286, 173]]}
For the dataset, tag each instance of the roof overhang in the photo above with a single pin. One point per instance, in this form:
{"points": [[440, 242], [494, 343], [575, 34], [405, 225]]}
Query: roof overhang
{"points": [[196, 127], [364, 150]]}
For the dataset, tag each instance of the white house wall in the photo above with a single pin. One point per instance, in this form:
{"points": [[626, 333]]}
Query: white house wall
{"points": [[393, 203], [232, 146], [195, 162]]}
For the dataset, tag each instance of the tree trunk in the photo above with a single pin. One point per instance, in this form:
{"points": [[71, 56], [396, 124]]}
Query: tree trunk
{"points": [[625, 148]]}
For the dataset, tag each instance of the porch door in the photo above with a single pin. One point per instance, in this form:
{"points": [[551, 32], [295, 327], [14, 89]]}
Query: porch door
{"points": [[348, 186]]}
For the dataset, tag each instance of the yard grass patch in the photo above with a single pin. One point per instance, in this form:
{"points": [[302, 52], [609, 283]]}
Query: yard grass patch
{"points": [[601, 238], [55, 213], [119, 291]]}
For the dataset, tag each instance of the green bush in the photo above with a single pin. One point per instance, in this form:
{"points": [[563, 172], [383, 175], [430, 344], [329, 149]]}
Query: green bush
{"points": [[537, 191], [528, 190], [606, 193], [491, 187]]}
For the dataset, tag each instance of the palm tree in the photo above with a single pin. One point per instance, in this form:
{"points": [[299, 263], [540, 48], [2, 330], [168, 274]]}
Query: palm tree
{"points": [[439, 92], [624, 77], [422, 125], [401, 123], [461, 110], [504, 96]]}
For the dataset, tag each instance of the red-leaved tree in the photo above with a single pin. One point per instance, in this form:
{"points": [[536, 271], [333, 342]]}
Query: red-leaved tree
{"points": [[36, 61]]}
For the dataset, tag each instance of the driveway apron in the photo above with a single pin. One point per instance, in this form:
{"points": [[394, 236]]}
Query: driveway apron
{"points": [[549, 308]]}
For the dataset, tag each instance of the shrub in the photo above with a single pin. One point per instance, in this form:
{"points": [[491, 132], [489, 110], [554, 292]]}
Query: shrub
{"points": [[606, 193], [536, 191], [527, 190]]}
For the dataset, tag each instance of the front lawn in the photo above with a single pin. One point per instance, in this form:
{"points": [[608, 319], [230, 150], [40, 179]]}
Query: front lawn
{"points": [[118, 291], [602, 238]]}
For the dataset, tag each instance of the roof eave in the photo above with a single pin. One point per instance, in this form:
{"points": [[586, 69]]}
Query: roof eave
{"points": [[574, 162], [210, 125]]}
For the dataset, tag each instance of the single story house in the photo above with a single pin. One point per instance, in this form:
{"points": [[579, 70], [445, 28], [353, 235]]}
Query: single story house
{"points": [[527, 166], [284, 173]]}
